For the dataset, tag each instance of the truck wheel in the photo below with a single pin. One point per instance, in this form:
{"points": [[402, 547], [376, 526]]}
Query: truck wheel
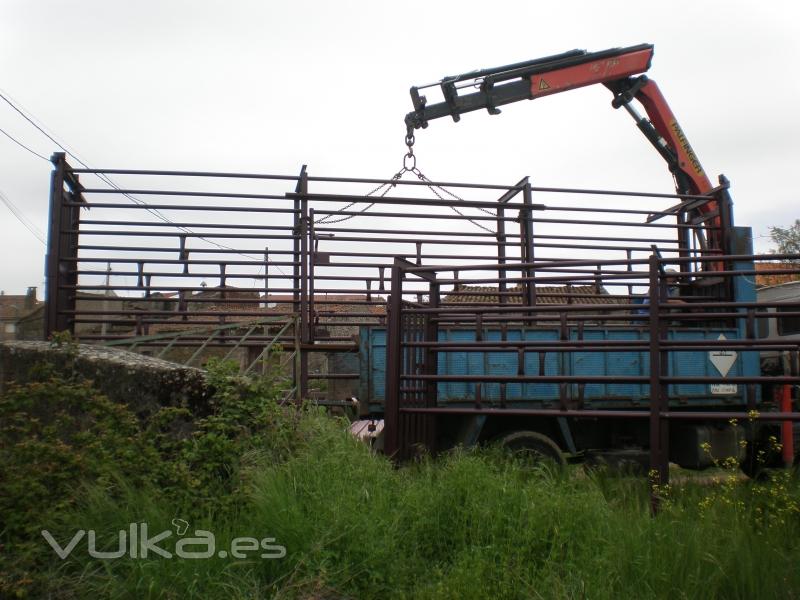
{"points": [[533, 446]]}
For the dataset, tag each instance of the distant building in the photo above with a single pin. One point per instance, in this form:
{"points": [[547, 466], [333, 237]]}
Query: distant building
{"points": [[769, 279], [31, 326], [13, 308]]}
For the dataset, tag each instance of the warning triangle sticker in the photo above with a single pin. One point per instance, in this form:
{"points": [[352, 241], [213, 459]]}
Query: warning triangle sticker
{"points": [[722, 360], [543, 85]]}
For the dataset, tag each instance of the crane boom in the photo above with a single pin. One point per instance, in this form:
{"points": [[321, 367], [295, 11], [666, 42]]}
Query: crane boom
{"points": [[619, 69]]}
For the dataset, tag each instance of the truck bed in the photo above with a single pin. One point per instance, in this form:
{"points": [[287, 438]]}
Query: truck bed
{"points": [[694, 363]]}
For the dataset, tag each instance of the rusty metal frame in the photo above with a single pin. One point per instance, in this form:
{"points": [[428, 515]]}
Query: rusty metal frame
{"points": [[150, 251], [402, 433], [168, 232]]}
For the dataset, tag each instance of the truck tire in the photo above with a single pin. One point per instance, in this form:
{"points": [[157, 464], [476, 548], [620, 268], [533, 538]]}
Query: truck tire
{"points": [[537, 446]]}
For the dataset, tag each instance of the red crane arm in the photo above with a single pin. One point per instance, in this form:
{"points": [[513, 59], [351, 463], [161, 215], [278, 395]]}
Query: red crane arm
{"points": [[666, 124], [609, 66], [619, 69]]}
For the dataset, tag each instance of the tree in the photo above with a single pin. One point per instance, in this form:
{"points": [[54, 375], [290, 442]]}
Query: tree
{"points": [[786, 239]]}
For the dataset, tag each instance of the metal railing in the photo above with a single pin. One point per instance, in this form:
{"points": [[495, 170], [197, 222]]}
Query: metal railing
{"points": [[666, 323], [158, 251]]}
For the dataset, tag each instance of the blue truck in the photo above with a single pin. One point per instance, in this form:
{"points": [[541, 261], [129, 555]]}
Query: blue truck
{"points": [[574, 387], [559, 437], [614, 380]]}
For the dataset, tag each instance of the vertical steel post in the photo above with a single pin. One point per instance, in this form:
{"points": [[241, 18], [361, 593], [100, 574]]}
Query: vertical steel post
{"points": [[502, 240], [431, 334], [787, 437], [393, 368], [299, 282], [305, 337], [297, 369], [683, 239], [629, 257], [725, 209], [311, 245], [751, 390], [266, 277], [526, 226], [60, 246], [501, 256], [52, 293], [659, 472]]}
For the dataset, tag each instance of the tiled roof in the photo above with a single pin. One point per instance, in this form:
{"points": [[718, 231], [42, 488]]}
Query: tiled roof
{"points": [[545, 294], [338, 303], [776, 279], [13, 306]]}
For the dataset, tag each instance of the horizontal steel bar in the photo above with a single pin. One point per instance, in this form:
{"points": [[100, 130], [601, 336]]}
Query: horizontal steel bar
{"points": [[194, 341], [173, 250], [186, 174], [461, 257], [542, 221], [294, 178], [165, 288], [319, 212], [497, 378], [322, 179], [585, 262], [193, 326], [607, 414], [541, 348], [597, 209], [192, 234], [407, 215], [676, 311], [228, 327], [193, 207], [323, 229], [527, 265], [287, 345], [259, 300], [592, 379], [214, 275], [325, 347], [408, 201], [616, 345], [174, 224]]}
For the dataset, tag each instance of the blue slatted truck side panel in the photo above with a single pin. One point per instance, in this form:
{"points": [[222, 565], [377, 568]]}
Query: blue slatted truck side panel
{"points": [[694, 363]]}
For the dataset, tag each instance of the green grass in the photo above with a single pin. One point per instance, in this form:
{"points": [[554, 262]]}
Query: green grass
{"points": [[468, 525], [465, 525]]}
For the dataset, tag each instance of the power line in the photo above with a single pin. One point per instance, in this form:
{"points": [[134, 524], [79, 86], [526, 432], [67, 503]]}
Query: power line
{"points": [[21, 145], [30, 120], [103, 177], [22, 219]]}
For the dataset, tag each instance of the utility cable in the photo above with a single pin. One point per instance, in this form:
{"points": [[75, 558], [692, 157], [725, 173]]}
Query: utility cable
{"points": [[21, 145], [22, 219], [103, 177]]}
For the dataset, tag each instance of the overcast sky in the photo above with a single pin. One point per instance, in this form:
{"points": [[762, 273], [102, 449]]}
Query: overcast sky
{"points": [[268, 86]]}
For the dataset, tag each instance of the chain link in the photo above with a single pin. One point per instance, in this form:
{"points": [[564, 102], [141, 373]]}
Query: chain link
{"points": [[331, 219], [434, 189], [409, 166]]}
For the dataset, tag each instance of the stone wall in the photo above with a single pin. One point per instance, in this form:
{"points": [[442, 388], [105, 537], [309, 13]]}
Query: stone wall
{"points": [[142, 382]]}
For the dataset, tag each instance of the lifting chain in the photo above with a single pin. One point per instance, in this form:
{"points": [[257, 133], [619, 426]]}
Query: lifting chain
{"points": [[381, 190], [409, 160], [409, 166]]}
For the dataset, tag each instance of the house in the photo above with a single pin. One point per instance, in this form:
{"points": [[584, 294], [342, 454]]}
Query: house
{"points": [[770, 279], [12, 309]]}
